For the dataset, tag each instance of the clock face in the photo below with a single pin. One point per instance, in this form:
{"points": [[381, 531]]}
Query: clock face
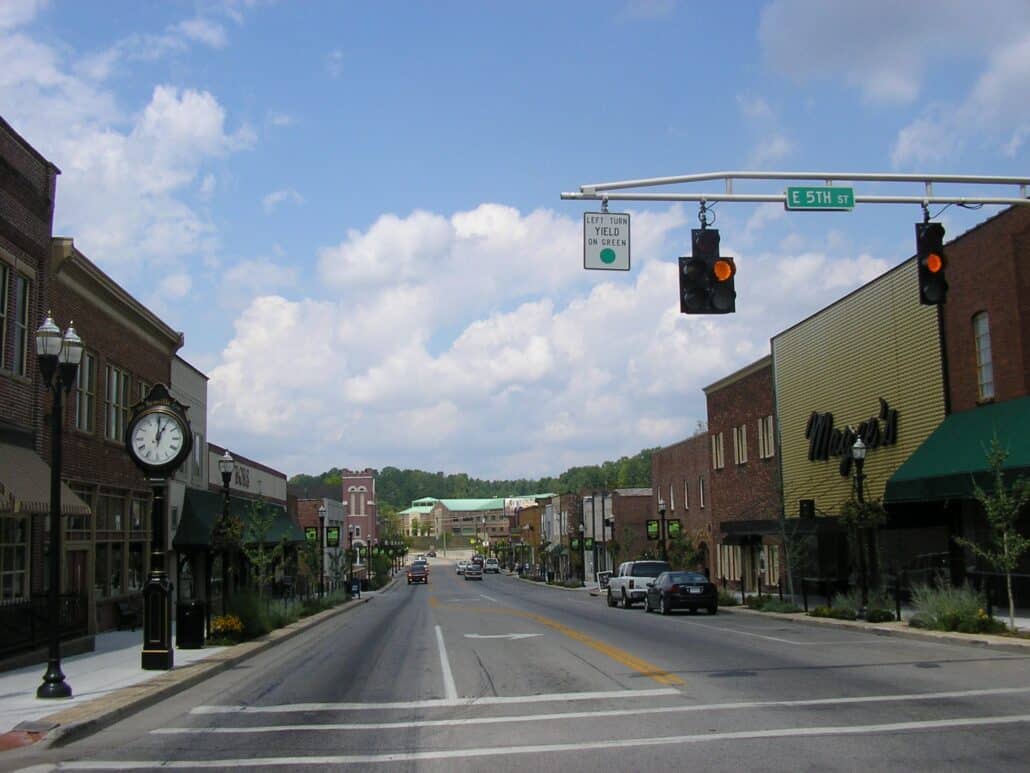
{"points": [[157, 439]]}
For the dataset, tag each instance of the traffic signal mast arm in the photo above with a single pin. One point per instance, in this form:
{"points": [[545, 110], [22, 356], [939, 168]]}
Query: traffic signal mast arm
{"points": [[616, 191]]}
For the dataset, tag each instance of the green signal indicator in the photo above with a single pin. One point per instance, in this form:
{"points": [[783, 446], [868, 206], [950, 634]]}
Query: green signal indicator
{"points": [[607, 255]]}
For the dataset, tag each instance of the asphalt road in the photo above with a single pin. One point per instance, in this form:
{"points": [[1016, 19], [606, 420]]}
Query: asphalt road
{"points": [[504, 675]]}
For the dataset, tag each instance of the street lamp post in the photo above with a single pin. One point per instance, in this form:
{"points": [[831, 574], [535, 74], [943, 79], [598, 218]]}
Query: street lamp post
{"points": [[858, 451], [58, 358], [661, 528], [350, 558], [225, 466], [321, 552], [582, 556]]}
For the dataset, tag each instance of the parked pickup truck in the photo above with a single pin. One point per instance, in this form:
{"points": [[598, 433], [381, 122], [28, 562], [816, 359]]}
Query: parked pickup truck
{"points": [[629, 584]]}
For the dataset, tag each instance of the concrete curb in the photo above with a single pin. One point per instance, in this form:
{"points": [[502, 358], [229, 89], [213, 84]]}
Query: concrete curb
{"points": [[893, 629], [78, 722]]}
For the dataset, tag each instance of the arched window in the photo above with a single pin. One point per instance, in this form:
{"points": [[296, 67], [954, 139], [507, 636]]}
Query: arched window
{"points": [[984, 362]]}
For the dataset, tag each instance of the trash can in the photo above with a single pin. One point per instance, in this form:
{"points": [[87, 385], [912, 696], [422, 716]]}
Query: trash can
{"points": [[550, 576], [189, 625]]}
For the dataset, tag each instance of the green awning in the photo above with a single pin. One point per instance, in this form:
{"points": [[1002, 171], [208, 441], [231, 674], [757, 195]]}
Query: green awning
{"points": [[202, 509], [954, 456]]}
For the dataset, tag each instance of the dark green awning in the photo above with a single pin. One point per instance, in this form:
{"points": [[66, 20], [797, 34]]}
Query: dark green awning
{"points": [[202, 509], [954, 456]]}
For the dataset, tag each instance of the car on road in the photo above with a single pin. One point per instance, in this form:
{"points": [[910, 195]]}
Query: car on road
{"points": [[431, 554], [629, 583], [474, 571], [418, 572], [681, 590], [492, 565], [461, 566]]}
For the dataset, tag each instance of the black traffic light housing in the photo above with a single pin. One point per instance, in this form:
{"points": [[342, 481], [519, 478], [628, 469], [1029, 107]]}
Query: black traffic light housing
{"points": [[933, 285], [706, 278]]}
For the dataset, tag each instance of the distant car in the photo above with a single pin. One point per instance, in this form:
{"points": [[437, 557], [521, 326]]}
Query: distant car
{"points": [[431, 554], [473, 571], [461, 566], [681, 590], [418, 572], [491, 565]]}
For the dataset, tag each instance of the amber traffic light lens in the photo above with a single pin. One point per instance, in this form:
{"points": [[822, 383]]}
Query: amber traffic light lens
{"points": [[723, 270], [933, 262]]}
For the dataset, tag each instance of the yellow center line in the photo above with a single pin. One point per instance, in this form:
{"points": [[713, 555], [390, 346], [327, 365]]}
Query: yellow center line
{"points": [[639, 665]]}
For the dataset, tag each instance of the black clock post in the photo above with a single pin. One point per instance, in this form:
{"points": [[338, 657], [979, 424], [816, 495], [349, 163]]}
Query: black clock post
{"points": [[158, 460]]}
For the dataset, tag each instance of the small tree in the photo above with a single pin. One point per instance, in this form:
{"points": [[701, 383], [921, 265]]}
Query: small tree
{"points": [[682, 551], [260, 520], [1002, 507], [794, 548]]}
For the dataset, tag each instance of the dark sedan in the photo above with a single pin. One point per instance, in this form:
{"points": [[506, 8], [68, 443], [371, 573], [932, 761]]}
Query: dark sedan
{"points": [[681, 590]]}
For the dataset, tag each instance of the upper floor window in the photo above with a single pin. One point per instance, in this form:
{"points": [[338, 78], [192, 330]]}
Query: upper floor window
{"points": [[672, 498], [20, 325], [686, 495], [86, 392], [197, 464], [766, 444], [740, 444], [5, 287], [718, 462], [701, 491], [984, 362], [117, 397]]}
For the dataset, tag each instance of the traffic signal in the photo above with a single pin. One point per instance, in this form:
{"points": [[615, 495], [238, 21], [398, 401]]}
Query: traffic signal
{"points": [[706, 278], [933, 286]]}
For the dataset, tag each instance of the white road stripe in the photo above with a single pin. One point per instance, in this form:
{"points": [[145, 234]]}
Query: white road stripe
{"points": [[590, 714], [493, 751], [449, 689], [487, 700], [489, 598]]}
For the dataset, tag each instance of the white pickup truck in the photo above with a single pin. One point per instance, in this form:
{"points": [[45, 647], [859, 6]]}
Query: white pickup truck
{"points": [[629, 584]]}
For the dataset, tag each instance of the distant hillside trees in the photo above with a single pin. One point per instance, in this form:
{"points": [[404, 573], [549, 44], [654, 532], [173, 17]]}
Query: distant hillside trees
{"points": [[399, 488]]}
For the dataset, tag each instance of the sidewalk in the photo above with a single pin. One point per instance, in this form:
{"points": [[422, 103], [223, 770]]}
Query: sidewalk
{"points": [[109, 683]]}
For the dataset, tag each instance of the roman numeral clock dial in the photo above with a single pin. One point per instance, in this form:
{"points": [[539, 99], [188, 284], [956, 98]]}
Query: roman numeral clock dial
{"points": [[158, 437]]}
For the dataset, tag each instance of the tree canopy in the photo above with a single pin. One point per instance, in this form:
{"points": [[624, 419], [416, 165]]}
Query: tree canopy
{"points": [[399, 488]]}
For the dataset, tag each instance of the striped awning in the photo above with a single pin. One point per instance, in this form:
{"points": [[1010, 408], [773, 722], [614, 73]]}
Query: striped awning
{"points": [[25, 484]]}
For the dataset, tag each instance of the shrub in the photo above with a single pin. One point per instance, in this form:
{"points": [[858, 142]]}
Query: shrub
{"points": [[225, 628], [770, 604], [727, 599], [875, 615], [822, 611], [837, 613], [946, 608], [250, 609]]}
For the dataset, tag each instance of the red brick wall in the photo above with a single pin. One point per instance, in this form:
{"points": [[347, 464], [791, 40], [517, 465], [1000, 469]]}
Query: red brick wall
{"points": [[27, 182], [630, 513], [748, 491], [989, 270]]}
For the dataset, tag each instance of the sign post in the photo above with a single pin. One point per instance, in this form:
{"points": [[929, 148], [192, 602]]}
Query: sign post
{"points": [[606, 241]]}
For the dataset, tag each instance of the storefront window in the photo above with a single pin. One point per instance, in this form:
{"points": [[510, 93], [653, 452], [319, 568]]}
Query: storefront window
{"points": [[101, 570], [135, 567], [115, 569], [13, 557]]}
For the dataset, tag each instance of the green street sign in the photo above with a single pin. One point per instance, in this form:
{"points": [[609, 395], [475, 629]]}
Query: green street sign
{"points": [[332, 537], [652, 529], [588, 543], [821, 197], [311, 533], [675, 528]]}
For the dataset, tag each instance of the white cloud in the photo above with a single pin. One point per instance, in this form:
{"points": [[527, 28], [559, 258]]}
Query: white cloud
{"points": [[203, 31], [14, 13], [334, 63], [990, 113], [883, 48], [281, 119], [258, 277], [274, 199], [771, 144]]}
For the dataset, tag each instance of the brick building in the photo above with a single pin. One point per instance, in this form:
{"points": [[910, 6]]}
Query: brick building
{"points": [[631, 508], [745, 478], [681, 476], [359, 500]]}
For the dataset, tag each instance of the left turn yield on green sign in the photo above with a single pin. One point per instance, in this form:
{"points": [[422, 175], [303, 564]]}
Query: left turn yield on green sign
{"points": [[606, 241]]}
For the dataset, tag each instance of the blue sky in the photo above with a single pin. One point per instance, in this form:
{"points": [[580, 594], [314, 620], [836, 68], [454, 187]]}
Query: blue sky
{"points": [[352, 209]]}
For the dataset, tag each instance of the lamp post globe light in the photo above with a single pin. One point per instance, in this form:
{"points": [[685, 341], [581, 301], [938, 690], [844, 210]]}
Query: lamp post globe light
{"points": [[225, 467], [858, 452], [58, 357]]}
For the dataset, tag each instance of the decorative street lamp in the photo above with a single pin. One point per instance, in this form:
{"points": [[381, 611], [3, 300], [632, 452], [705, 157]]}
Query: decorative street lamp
{"points": [[661, 532], [225, 466], [350, 558], [58, 357], [582, 555], [321, 551], [858, 451]]}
